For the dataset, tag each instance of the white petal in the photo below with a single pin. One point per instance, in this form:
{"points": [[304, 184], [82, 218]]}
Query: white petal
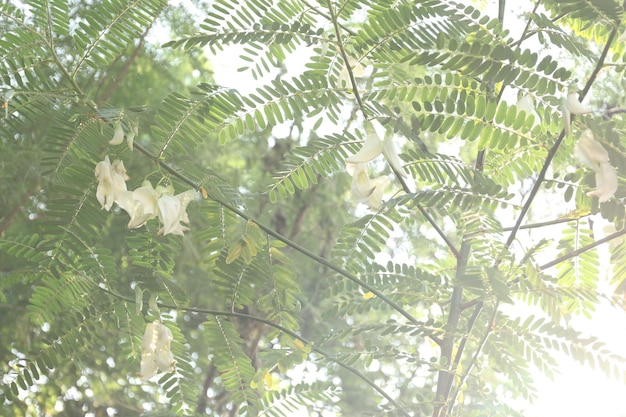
{"points": [[391, 155], [150, 337], [589, 151], [372, 147], [606, 181], [574, 106], [147, 197], [164, 358], [169, 214], [126, 202], [566, 117], [105, 193], [375, 198], [118, 134], [185, 198], [148, 366], [155, 350], [103, 169], [361, 185], [592, 153], [119, 168]]}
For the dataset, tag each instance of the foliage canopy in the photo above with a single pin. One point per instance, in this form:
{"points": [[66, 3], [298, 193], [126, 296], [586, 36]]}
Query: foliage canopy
{"points": [[284, 295]]}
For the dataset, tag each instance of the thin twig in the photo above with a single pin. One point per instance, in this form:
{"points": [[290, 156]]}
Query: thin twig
{"points": [[445, 377], [326, 16], [344, 55], [582, 250], [439, 231]]}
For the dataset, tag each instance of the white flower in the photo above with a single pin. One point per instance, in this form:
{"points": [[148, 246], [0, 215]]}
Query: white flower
{"points": [[590, 152], [364, 189], [526, 104], [155, 350], [372, 147], [140, 204], [391, 155], [571, 105], [118, 134], [172, 210], [111, 181]]}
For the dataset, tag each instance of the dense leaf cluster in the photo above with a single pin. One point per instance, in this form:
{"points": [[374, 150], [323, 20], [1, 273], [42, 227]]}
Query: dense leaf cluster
{"points": [[279, 299]]}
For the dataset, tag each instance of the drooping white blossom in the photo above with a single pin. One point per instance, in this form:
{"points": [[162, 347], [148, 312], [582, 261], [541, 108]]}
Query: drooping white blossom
{"points": [[172, 210], [118, 134], [391, 155], [571, 105], [155, 350], [364, 189], [372, 147], [592, 153], [140, 204], [111, 181]]}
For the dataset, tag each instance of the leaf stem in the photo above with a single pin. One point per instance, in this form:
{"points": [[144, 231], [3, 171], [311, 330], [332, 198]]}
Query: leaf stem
{"points": [[344, 55]]}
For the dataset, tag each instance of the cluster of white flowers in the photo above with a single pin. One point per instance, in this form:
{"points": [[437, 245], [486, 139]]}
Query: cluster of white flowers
{"points": [[145, 202], [155, 350], [587, 149], [364, 189], [590, 152]]}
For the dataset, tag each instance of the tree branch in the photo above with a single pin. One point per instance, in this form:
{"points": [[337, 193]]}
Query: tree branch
{"points": [[557, 144], [344, 55], [445, 377], [125, 68], [584, 249], [478, 350]]}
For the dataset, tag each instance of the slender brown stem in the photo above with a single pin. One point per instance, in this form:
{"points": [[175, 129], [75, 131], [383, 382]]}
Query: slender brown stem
{"points": [[445, 377], [582, 250], [344, 55]]}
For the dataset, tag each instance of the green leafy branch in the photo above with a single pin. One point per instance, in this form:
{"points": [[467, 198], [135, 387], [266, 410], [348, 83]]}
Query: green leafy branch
{"points": [[322, 352], [280, 237]]}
